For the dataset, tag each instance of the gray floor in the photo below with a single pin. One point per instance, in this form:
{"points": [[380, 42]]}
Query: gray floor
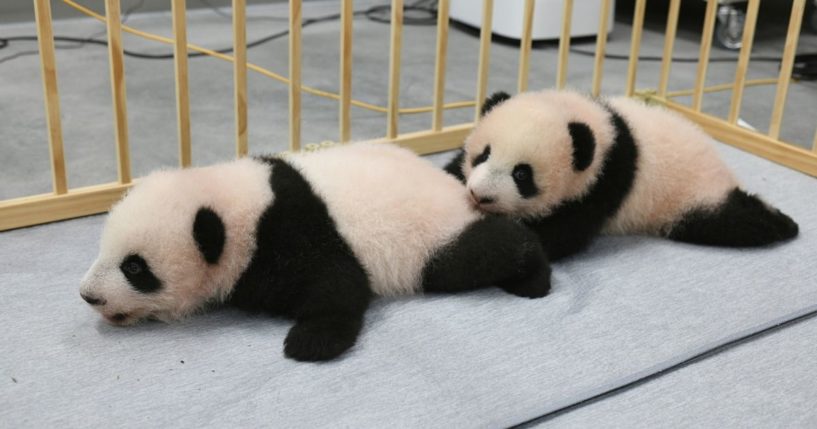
{"points": [[85, 90]]}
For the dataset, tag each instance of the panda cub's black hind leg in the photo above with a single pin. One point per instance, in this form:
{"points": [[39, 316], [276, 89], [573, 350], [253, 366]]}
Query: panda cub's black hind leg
{"points": [[492, 251], [742, 220]]}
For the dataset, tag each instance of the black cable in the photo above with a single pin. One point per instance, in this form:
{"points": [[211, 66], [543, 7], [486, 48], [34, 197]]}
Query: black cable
{"points": [[675, 59], [218, 11], [412, 14], [80, 42], [373, 13], [421, 12]]}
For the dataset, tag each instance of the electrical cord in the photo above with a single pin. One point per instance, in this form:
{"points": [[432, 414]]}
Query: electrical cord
{"points": [[77, 41], [420, 13], [648, 58], [379, 13]]}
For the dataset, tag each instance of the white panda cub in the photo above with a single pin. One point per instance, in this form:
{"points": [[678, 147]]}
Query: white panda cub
{"points": [[572, 167], [310, 236]]}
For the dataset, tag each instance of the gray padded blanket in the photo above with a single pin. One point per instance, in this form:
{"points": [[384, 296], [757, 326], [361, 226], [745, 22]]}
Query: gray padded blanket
{"points": [[628, 306]]}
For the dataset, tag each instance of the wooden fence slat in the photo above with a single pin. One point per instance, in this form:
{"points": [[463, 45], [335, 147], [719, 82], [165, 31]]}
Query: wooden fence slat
{"points": [[564, 44], [48, 65], [669, 42], [440, 63], [601, 47], [346, 18], [182, 85], [743, 60], [525, 45], [116, 63], [703, 58], [294, 75], [635, 45], [240, 75], [796, 19], [394, 68], [484, 54]]}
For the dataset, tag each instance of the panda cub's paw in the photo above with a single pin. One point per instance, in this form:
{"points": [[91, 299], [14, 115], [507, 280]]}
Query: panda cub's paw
{"points": [[537, 285], [320, 339]]}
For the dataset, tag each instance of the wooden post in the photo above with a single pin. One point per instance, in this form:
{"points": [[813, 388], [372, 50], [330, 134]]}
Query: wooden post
{"points": [[743, 61], [439, 70], [294, 75], [240, 76], [182, 86], [525, 44], [117, 72], [669, 41], [394, 67], [346, 18], [601, 47], [48, 65], [564, 44], [797, 9], [484, 54], [635, 46], [703, 59]]}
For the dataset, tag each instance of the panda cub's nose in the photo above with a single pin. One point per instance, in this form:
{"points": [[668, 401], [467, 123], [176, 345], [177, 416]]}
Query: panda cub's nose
{"points": [[92, 300], [486, 200], [481, 200]]}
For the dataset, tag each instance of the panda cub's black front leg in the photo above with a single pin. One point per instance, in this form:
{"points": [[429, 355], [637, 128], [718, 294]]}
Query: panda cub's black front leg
{"points": [[493, 251], [330, 319]]}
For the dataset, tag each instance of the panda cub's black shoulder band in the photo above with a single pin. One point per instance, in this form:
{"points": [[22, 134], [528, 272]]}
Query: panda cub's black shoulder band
{"points": [[572, 225], [296, 242]]}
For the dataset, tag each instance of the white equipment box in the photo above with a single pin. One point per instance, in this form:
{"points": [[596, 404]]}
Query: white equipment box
{"points": [[547, 17]]}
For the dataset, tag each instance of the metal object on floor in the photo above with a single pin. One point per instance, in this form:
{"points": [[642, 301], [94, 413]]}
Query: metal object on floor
{"points": [[729, 29]]}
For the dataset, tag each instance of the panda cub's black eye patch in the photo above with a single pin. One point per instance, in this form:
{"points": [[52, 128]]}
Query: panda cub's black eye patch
{"points": [[523, 178], [482, 157], [138, 273]]}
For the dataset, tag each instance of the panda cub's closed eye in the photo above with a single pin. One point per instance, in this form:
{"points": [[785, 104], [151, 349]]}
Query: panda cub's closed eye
{"points": [[132, 266], [483, 156], [138, 273]]}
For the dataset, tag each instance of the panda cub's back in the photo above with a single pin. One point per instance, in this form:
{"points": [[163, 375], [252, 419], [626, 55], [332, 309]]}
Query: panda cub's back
{"points": [[677, 169], [392, 220]]}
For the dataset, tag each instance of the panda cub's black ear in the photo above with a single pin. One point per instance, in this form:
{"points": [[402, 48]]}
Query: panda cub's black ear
{"points": [[210, 234], [584, 145], [493, 101]]}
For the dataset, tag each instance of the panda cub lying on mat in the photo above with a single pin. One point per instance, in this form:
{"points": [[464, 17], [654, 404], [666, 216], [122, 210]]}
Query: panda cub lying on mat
{"points": [[311, 236], [572, 167]]}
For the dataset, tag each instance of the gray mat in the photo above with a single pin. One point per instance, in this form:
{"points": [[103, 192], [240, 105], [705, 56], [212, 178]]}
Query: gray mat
{"points": [[482, 359], [767, 383]]}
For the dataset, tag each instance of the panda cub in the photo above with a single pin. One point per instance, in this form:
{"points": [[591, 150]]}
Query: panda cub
{"points": [[310, 236], [572, 167]]}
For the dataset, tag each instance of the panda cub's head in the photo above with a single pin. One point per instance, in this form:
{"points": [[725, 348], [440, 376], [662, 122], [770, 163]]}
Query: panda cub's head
{"points": [[176, 241], [531, 152]]}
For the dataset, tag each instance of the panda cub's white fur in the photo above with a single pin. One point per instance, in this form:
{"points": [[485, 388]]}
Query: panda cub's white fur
{"points": [[393, 220], [309, 236], [572, 167], [155, 221]]}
